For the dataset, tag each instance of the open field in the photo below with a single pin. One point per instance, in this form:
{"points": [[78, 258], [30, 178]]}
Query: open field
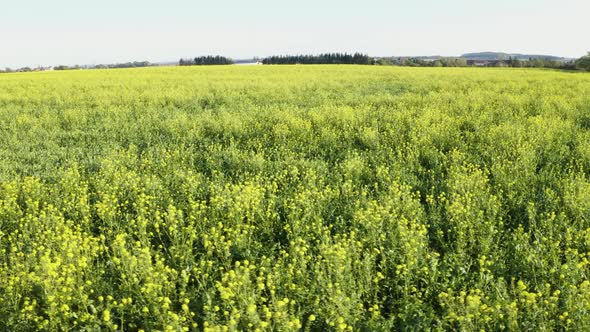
{"points": [[295, 198]]}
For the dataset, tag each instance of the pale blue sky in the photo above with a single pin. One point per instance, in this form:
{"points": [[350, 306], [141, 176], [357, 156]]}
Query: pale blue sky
{"points": [[36, 32]]}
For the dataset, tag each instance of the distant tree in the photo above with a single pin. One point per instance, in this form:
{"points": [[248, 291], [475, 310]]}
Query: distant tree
{"points": [[361, 59], [384, 62], [64, 67], [569, 65], [327, 58], [514, 62], [186, 62], [455, 62], [206, 60], [415, 62], [584, 62], [544, 63], [133, 64]]}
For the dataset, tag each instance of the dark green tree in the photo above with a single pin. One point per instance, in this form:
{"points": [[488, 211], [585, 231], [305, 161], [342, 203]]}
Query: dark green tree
{"points": [[584, 62]]}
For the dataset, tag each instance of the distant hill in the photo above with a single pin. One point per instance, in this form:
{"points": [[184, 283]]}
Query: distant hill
{"points": [[505, 56]]}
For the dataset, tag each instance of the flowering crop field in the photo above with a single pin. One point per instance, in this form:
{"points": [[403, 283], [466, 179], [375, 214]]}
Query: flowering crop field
{"points": [[285, 198]]}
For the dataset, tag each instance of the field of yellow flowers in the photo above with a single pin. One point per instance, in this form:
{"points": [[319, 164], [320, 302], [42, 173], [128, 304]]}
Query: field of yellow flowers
{"points": [[295, 198]]}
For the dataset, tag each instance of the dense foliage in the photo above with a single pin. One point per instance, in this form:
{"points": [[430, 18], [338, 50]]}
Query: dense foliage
{"points": [[206, 60], [462, 62], [295, 198], [328, 58], [64, 67], [134, 64], [584, 62]]}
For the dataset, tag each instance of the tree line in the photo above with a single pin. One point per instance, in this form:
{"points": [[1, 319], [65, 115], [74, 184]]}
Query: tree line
{"points": [[327, 58], [419, 62], [582, 63], [19, 70], [206, 60], [134, 64]]}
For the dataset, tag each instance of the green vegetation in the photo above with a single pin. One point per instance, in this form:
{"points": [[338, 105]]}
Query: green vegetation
{"points": [[133, 64], [327, 58], [462, 62], [344, 198], [206, 60], [584, 62], [64, 67]]}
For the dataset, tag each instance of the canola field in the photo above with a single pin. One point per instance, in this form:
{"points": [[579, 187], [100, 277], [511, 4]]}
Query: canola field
{"points": [[295, 198]]}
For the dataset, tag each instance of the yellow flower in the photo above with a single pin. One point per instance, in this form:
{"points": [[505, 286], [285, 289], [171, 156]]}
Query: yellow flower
{"points": [[106, 315]]}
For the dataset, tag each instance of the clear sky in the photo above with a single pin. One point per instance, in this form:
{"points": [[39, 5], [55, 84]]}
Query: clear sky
{"points": [[41, 32]]}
